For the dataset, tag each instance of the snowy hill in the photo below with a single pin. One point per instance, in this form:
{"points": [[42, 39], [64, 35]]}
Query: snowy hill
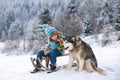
{"points": [[19, 67]]}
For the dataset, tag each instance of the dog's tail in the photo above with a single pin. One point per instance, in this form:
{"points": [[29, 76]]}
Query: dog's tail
{"points": [[101, 71]]}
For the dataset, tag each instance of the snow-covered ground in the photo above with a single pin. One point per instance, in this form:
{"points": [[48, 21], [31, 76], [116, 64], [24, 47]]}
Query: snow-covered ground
{"points": [[18, 67]]}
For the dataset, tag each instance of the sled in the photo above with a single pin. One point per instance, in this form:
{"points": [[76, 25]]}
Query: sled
{"points": [[47, 59]]}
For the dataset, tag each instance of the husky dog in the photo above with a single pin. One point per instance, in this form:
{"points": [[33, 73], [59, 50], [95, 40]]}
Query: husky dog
{"points": [[82, 53]]}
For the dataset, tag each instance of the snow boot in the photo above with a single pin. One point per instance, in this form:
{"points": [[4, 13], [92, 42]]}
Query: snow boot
{"points": [[34, 71], [52, 68]]}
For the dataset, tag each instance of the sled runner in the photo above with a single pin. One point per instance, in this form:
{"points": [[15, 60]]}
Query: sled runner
{"points": [[37, 67]]}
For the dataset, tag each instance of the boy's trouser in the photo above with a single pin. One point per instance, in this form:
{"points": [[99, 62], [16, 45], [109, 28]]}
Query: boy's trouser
{"points": [[53, 54]]}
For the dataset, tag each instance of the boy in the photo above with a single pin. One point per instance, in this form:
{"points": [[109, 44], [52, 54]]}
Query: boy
{"points": [[54, 48]]}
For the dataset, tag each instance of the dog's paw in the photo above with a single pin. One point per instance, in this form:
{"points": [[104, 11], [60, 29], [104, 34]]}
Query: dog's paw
{"points": [[64, 67], [78, 70], [67, 68]]}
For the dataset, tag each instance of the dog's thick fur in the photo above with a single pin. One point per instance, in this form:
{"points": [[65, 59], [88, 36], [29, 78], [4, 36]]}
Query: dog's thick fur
{"points": [[82, 53]]}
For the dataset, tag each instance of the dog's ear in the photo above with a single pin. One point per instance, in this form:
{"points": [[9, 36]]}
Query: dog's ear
{"points": [[73, 38], [78, 39]]}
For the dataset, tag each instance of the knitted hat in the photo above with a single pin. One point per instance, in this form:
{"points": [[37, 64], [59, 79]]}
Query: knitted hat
{"points": [[48, 29]]}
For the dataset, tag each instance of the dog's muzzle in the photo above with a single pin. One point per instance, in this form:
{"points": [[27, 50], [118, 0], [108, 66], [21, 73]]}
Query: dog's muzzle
{"points": [[66, 48]]}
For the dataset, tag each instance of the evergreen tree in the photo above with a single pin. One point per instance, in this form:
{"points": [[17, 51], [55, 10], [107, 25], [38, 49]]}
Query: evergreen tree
{"points": [[70, 20], [10, 18], [45, 17], [15, 31], [112, 11], [117, 16]]}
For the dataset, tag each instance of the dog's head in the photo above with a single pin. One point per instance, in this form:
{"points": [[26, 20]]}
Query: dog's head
{"points": [[71, 42]]}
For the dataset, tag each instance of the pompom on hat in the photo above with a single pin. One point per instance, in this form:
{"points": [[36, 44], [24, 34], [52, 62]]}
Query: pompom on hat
{"points": [[48, 29]]}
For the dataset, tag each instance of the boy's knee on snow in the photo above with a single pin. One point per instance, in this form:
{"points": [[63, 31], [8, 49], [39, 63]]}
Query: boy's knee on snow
{"points": [[40, 54]]}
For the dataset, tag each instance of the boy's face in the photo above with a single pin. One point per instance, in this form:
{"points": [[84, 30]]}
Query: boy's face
{"points": [[54, 37]]}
